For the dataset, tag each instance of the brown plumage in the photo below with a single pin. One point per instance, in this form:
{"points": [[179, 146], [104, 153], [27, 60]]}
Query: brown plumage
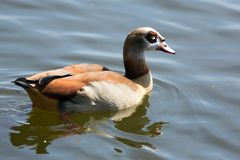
{"points": [[65, 88], [92, 84]]}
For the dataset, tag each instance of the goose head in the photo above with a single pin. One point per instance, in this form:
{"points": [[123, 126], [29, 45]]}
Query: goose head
{"points": [[146, 38], [140, 40]]}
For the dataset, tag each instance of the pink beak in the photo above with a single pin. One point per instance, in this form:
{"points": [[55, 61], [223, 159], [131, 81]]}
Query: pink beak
{"points": [[165, 48]]}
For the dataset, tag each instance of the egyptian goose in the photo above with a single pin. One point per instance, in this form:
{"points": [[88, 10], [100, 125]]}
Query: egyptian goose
{"points": [[89, 87]]}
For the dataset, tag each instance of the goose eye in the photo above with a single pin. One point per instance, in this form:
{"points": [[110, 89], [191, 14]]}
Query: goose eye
{"points": [[151, 38]]}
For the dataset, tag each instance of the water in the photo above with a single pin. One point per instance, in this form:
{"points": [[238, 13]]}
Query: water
{"points": [[192, 112]]}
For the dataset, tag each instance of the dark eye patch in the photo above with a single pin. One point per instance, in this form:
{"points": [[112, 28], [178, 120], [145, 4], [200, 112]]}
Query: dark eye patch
{"points": [[151, 37]]}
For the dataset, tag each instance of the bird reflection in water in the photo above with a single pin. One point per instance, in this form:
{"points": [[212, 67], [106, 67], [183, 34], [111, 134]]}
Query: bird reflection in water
{"points": [[43, 127]]}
